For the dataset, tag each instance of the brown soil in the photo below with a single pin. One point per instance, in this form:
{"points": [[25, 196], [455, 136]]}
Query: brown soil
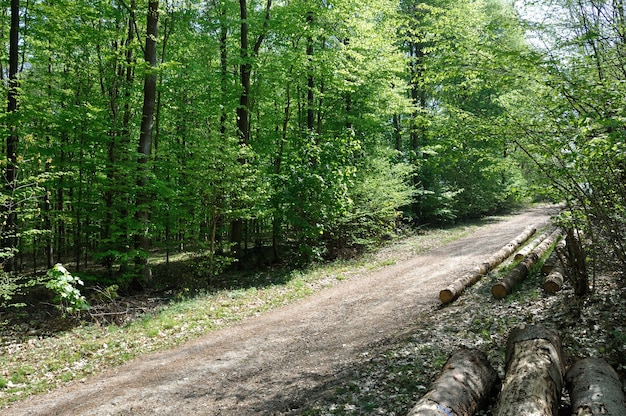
{"points": [[282, 359]]}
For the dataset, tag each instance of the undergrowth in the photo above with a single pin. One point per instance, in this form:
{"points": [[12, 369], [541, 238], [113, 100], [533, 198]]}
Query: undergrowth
{"points": [[35, 358]]}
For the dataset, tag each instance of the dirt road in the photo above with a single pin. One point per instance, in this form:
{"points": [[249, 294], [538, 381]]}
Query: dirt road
{"points": [[274, 362]]}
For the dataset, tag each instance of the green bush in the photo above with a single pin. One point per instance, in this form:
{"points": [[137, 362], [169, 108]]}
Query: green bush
{"points": [[64, 284]]}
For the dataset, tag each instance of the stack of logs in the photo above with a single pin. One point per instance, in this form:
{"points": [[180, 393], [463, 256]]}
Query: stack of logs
{"points": [[532, 385], [504, 287], [528, 257]]}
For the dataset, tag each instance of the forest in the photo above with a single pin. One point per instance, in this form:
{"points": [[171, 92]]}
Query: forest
{"points": [[258, 131]]}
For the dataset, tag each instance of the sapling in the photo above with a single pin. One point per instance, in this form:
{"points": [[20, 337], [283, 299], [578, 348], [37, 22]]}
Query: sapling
{"points": [[64, 284]]}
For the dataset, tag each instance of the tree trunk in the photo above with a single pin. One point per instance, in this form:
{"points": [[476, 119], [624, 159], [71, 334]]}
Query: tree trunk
{"points": [[534, 373], [595, 389], [504, 287], [10, 215], [145, 135], [310, 97], [243, 110], [464, 385], [577, 263], [457, 287]]}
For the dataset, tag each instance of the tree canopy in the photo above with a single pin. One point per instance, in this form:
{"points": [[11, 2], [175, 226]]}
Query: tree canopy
{"points": [[296, 129]]}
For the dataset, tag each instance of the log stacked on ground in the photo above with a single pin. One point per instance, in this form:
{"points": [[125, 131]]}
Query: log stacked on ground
{"points": [[555, 257], [464, 385], [534, 373], [531, 246], [504, 287], [555, 279], [595, 389], [457, 287]]}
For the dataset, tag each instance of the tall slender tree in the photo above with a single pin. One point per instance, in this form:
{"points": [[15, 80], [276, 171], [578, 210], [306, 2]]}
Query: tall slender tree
{"points": [[12, 141], [145, 135], [247, 56]]}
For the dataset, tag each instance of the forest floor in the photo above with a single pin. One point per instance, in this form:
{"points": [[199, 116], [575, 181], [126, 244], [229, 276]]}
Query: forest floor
{"points": [[369, 344]]}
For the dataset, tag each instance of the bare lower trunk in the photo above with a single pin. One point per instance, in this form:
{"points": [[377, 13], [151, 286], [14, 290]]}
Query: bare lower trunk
{"points": [[577, 263], [464, 385], [595, 389], [534, 373]]}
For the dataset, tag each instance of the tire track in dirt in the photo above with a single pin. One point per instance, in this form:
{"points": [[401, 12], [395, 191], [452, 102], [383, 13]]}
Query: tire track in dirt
{"points": [[271, 363]]}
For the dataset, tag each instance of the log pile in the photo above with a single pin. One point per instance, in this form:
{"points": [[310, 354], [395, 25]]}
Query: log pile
{"points": [[531, 246], [454, 290], [534, 373], [463, 386], [504, 287], [595, 389], [532, 385], [555, 257], [555, 279]]}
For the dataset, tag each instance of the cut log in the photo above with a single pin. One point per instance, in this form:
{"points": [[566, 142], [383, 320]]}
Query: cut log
{"points": [[454, 290], [548, 265], [464, 386], [595, 389], [532, 245], [534, 373], [555, 279], [504, 287]]}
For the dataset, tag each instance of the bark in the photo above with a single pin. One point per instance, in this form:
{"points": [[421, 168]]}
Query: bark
{"points": [[464, 385], [454, 290], [595, 389], [145, 135], [534, 373], [549, 264], [531, 246], [576, 260], [150, 82], [504, 287], [9, 244], [555, 279]]}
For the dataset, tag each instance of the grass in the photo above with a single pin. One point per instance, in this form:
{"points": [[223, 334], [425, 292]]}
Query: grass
{"points": [[34, 364]]}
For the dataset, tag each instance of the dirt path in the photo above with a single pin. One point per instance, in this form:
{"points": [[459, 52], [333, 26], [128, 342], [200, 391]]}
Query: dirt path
{"points": [[274, 362]]}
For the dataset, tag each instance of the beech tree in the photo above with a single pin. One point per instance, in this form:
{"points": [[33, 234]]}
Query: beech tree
{"points": [[304, 129], [463, 56], [146, 131], [10, 231]]}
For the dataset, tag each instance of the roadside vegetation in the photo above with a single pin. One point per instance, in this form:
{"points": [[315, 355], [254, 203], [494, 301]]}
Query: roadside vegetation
{"points": [[392, 377], [41, 350]]}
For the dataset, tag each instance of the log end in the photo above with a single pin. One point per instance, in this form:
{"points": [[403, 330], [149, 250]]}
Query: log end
{"points": [[499, 291], [447, 295], [551, 287]]}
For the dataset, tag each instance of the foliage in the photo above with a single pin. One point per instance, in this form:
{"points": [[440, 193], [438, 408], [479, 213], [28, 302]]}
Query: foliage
{"points": [[570, 119], [65, 285], [466, 167], [379, 193], [331, 96], [41, 363]]}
